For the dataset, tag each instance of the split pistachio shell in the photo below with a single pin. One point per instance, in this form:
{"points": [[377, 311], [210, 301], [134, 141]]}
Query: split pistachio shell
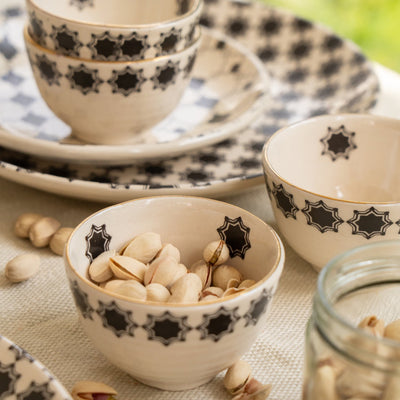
{"points": [[22, 267], [232, 290], [124, 267], [212, 291], [392, 330], [99, 269], [85, 390], [254, 390], [132, 289], [237, 376], [186, 289], [143, 247], [204, 271], [24, 223], [157, 292], [169, 250], [42, 230], [216, 253], [246, 284], [163, 271], [223, 274], [59, 239]]}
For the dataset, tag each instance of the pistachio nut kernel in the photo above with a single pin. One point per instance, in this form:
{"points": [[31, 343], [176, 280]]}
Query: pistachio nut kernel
{"points": [[216, 253], [124, 267], [24, 223], [224, 274], [89, 390], [143, 247], [99, 269], [237, 376], [22, 267]]}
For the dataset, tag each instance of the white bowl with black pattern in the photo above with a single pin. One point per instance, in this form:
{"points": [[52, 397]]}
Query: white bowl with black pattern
{"points": [[333, 182], [24, 377], [173, 346], [107, 102], [114, 30]]}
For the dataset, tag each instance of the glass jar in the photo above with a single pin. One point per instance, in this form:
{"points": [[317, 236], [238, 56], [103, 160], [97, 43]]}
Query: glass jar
{"points": [[343, 360]]}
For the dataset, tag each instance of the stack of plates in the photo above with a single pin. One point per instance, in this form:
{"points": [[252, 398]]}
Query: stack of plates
{"points": [[258, 69]]}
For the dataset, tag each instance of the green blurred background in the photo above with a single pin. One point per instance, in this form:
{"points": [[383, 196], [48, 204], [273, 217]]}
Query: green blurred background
{"points": [[374, 25]]}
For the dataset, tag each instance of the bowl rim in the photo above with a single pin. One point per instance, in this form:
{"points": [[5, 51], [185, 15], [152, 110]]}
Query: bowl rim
{"points": [[268, 166], [195, 9], [275, 269], [191, 48]]}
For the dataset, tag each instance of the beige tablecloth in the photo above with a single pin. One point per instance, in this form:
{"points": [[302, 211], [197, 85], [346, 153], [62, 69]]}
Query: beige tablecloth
{"points": [[39, 314]]}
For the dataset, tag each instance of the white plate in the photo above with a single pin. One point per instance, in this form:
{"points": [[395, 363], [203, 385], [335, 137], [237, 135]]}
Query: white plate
{"points": [[226, 93], [312, 72]]}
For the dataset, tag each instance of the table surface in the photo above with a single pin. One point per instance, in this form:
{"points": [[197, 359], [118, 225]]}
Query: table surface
{"points": [[39, 315]]}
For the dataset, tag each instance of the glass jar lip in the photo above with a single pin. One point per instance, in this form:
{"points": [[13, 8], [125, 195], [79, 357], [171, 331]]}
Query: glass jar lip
{"points": [[327, 304]]}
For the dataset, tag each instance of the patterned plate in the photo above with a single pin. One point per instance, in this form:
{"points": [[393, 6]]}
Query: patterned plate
{"points": [[312, 72], [23, 377], [225, 94]]}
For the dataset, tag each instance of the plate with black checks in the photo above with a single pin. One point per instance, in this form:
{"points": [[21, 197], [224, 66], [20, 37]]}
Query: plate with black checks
{"points": [[312, 71]]}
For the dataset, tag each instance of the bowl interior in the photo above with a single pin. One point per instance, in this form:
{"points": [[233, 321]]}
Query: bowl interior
{"points": [[188, 223], [349, 157], [118, 12]]}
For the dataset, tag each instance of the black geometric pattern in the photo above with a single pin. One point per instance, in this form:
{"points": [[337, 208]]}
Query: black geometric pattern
{"points": [[284, 201], [168, 41], [321, 216], [370, 223], [97, 241], [127, 81], [81, 300], [338, 143], [133, 46], [120, 322], [84, 79], [36, 392], [219, 324], [66, 41], [165, 75], [236, 236], [48, 70], [81, 4], [20, 354], [258, 307], [8, 379], [36, 29], [166, 328], [104, 46]]}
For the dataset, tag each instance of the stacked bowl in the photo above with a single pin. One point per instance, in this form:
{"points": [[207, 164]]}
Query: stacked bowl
{"points": [[112, 70]]}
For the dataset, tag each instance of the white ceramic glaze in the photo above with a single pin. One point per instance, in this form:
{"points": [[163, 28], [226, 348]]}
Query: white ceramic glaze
{"points": [[171, 346], [108, 102], [114, 31], [23, 377], [334, 183]]}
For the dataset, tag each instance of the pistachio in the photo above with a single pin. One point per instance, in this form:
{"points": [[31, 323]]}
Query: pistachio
{"points": [[124, 267], [132, 289], [163, 270], [392, 330], [237, 376], [42, 230], [99, 269], [246, 283], [212, 291], [59, 239], [112, 285], [22, 267], [186, 289], [223, 274], [232, 290], [24, 223], [169, 250], [157, 292], [204, 271], [143, 247], [373, 325], [323, 385], [88, 390], [216, 253], [392, 390], [254, 390]]}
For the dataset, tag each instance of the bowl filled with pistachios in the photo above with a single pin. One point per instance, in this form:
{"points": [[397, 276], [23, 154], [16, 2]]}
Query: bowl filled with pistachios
{"points": [[173, 289]]}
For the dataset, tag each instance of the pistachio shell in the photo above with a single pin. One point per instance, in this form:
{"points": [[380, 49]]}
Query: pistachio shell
{"points": [[59, 239], [99, 269], [232, 290], [42, 230], [237, 376], [392, 330], [162, 270], [204, 271], [24, 223], [212, 291], [323, 386], [186, 289], [143, 247], [373, 325], [85, 390], [246, 283], [169, 250], [112, 285], [132, 289], [216, 253], [157, 292], [223, 274], [124, 267], [22, 267]]}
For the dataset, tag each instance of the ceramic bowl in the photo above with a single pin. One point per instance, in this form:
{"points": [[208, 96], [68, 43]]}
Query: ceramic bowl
{"points": [[114, 31], [106, 102], [175, 346], [333, 182], [24, 377]]}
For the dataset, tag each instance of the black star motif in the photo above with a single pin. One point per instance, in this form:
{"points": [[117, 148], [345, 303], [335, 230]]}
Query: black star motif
{"points": [[104, 46], [20, 354], [117, 320], [81, 300], [370, 222], [84, 79], [169, 41], [36, 392], [321, 216], [338, 143], [81, 4], [127, 81], [36, 29], [66, 41], [284, 201], [165, 75], [8, 379], [258, 307], [215, 326], [48, 70], [97, 241], [167, 328], [133, 46], [236, 236]]}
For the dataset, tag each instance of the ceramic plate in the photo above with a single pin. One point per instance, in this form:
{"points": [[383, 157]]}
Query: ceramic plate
{"points": [[225, 94], [23, 377], [312, 72]]}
